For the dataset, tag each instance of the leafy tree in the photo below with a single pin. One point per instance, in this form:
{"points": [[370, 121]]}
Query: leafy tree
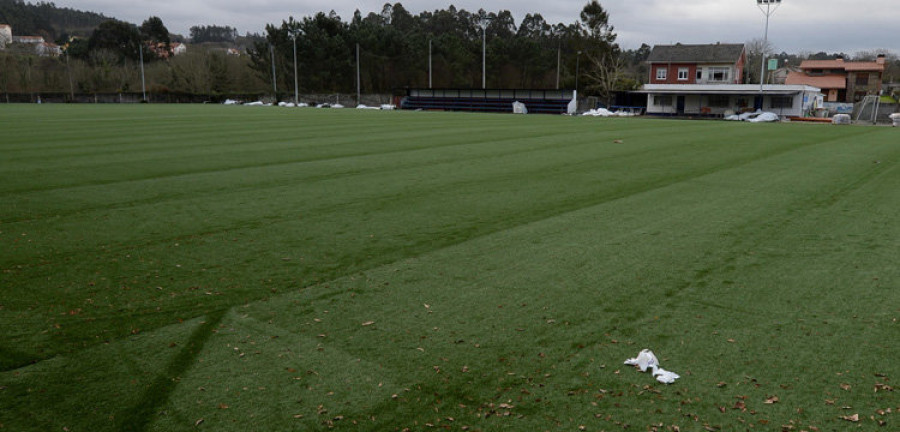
{"points": [[756, 49], [153, 30], [213, 33], [605, 66], [119, 38]]}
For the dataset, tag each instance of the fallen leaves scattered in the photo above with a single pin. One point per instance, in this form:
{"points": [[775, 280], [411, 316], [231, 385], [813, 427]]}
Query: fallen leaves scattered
{"points": [[854, 418], [772, 400], [846, 386], [883, 387], [368, 323]]}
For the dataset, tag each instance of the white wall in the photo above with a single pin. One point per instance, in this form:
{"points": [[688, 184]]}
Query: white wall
{"points": [[694, 104], [654, 108], [5, 36]]}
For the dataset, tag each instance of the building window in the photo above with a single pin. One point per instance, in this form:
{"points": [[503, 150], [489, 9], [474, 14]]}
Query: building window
{"points": [[782, 102], [718, 74], [661, 74], [862, 79], [662, 101], [718, 101], [682, 74], [699, 74]]}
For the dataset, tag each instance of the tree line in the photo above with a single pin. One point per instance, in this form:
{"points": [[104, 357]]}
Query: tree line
{"points": [[396, 49], [443, 48]]}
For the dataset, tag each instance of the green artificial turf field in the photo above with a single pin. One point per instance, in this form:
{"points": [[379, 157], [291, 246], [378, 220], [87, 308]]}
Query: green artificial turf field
{"points": [[178, 268]]}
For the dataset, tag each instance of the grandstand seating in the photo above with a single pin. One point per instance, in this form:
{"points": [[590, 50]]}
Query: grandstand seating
{"points": [[537, 101]]}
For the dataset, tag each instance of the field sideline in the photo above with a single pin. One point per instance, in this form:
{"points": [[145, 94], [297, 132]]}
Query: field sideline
{"points": [[176, 268]]}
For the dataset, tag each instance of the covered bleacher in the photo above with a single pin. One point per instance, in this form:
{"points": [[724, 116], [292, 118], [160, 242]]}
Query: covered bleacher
{"points": [[490, 100]]}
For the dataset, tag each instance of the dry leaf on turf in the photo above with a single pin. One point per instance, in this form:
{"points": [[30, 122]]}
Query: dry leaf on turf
{"points": [[854, 418], [772, 400]]}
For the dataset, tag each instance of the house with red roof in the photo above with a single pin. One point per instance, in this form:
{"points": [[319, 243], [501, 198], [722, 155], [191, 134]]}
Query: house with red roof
{"points": [[697, 64], [708, 81], [841, 81]]}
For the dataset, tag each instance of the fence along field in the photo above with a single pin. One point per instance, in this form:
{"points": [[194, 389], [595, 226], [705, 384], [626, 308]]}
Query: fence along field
{"points": [[235, 268]]}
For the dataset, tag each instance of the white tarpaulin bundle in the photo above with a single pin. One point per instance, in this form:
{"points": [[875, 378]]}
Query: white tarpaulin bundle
{"points": [[603, 112], [754, 117], [841, 119], [764, 117], [647, 360], [519, 108], [895, 117]]}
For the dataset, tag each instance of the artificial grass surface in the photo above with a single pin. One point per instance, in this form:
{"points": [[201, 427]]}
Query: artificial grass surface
{"points": [[233, 268]]}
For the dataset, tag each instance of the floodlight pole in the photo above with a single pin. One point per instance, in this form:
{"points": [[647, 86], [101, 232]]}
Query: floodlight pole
{"points": [[143, 82], [274, 85], [429, 63], [71, 82], [768, 11], [558, 58], [484, 55], [296, 80], [577, 65], [358, 90]]}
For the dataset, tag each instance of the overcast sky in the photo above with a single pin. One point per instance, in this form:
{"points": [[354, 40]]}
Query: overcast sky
{"points": [[797, 26]]}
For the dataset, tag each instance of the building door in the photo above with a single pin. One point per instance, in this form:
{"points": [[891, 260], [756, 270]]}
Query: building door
{"points": [[680, 105]]}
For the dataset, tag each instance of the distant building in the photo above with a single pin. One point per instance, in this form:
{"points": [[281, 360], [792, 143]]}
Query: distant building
{"points": [[779, 76], [707, 80], [697, 64], [178, 48], [6, 36], [28, 40], [840, 80], [47, 49], [165, 51]]}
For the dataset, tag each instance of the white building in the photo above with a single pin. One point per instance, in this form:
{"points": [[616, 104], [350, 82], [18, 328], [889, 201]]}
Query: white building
{"points": [[724, 99], [178, 48], [6, 36]]}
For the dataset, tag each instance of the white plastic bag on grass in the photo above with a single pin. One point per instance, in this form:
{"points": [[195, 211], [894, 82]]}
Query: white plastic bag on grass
{"points": [[647, 360]]}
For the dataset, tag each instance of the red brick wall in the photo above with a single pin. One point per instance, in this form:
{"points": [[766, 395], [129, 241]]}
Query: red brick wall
{"points": [[672, 73]]}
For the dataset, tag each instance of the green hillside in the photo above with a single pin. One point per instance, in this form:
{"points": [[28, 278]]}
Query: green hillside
{"points": [[47, 20]]}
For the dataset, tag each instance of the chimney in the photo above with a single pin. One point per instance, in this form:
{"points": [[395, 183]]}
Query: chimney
{"points": [[880, 59]]}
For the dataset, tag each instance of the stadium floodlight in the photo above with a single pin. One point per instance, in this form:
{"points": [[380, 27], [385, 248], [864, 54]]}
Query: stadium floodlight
{"points": [[274, 85], [429, 63], [296, 80], [577, 72], [768, 11], [485, 22], [143, 80]]}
